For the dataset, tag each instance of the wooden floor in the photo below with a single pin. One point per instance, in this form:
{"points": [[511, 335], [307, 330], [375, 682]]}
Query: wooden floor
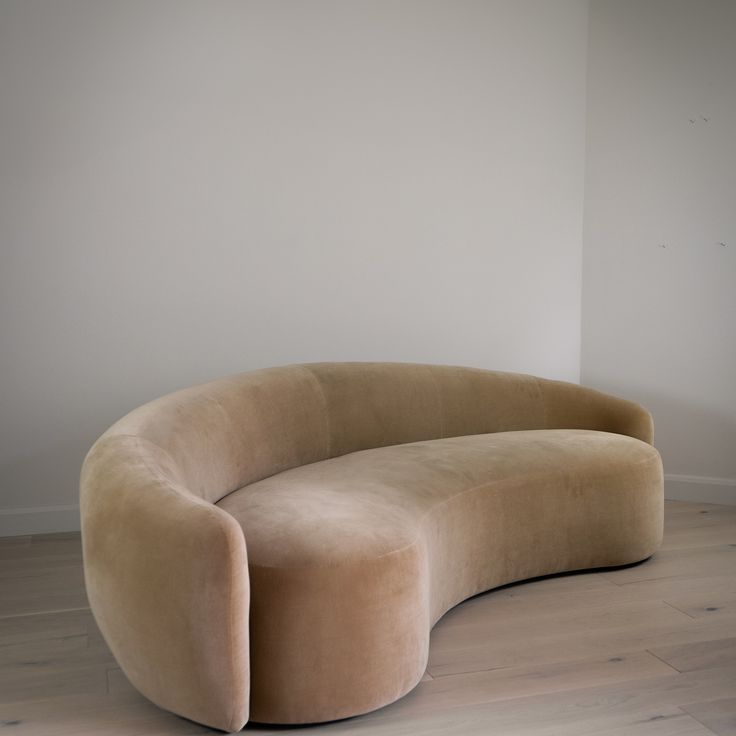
{"points": [[642, 651]]}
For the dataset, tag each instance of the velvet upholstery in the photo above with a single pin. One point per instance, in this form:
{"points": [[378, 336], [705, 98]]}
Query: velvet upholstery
{"points": [[371, 498]]}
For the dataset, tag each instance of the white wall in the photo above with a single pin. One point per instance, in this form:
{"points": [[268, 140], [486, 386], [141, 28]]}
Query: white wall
{"points": [[659, 296], [190, 189]]}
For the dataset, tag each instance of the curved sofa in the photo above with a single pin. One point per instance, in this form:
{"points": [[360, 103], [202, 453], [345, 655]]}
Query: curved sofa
{"points": [[278, 544]]}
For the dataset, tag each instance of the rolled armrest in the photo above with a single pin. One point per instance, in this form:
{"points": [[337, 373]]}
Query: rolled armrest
{"points": [[570, 406], [167, 579]]}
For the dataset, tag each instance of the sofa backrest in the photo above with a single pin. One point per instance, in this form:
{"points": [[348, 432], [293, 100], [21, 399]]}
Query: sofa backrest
{"points": [[222, 435]]}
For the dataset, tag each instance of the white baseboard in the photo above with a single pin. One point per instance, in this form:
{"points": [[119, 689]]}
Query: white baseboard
{"points": [[700, 489], [39, 520]]}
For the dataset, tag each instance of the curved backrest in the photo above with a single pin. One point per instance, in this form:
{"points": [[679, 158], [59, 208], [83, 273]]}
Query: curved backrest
{"points": [[222, 435]]}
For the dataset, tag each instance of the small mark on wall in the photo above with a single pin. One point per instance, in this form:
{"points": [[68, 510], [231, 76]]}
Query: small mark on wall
{"points": [[722, 243]]}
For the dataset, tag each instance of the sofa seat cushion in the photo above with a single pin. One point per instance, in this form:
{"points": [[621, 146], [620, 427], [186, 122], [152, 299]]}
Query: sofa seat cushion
{"points": [[371, 503], [366, 551]]}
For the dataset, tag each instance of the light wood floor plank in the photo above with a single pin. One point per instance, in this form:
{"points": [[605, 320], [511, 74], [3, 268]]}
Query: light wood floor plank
{"points": [[558, 636], [713, 559], [51, 591], [45, 667], [98, 714], [52, 625], [515, 682], [699, 655], [8, 542], [713, 604], [702, 584], [717, 715]]}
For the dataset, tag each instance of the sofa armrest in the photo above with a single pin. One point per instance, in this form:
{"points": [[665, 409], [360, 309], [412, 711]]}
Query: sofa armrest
{"points": [[570, 406], [167, 580]]}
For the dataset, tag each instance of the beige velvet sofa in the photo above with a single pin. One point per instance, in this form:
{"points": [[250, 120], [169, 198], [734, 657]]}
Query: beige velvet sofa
{"points": [[278, 544]]}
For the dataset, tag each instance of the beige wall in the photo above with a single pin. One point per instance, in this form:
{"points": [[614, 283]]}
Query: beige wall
{"points": [[659, 289], [189, 189]]}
